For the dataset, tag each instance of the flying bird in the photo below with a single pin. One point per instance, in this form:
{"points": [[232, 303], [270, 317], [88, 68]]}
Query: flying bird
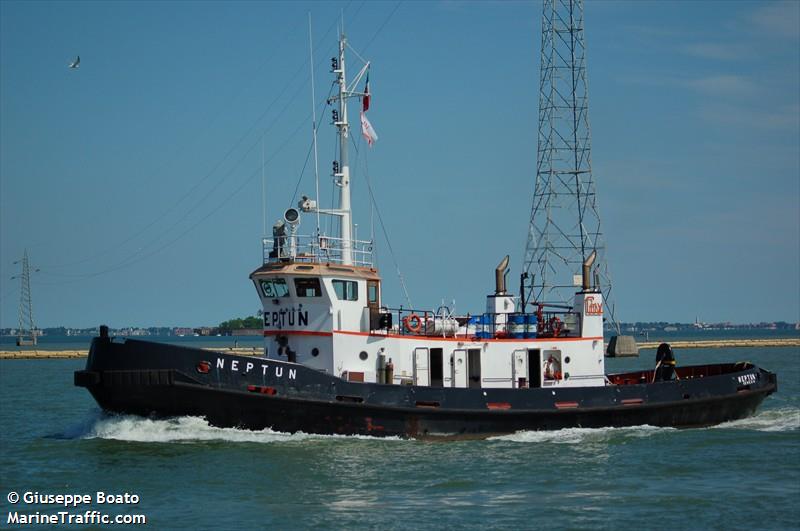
{"points": [[76, 63]]}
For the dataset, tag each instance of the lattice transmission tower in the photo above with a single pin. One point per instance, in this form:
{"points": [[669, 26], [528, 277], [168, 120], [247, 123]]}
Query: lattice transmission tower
{"points": [[565, 220], [26, 334]]}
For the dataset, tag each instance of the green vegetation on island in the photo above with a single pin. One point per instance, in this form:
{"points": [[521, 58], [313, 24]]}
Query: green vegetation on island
{"points": [[241, 323]]}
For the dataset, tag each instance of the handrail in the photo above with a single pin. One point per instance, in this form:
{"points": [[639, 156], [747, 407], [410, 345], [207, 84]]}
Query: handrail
{"points": [[312, 248], [481, 326]]}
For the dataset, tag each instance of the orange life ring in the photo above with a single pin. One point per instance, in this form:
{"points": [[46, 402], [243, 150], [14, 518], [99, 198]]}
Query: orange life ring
{"points": [[413, 323]]}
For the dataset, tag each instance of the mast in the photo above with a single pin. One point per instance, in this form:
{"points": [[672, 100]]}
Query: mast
{"points": [[347, 247], [343, 173]]}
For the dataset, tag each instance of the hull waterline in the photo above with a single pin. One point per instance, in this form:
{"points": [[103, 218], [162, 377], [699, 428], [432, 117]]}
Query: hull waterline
{"points": [[152, 379]]}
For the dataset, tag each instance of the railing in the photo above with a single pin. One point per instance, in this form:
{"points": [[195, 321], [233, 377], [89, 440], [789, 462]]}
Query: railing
{"points": [[322, 249], [682, 373], [526, 325], [408, 321], [427, 323]]}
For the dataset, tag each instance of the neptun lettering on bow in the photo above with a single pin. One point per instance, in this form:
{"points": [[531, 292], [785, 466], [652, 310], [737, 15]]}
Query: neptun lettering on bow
{"points": [[265, 369]]}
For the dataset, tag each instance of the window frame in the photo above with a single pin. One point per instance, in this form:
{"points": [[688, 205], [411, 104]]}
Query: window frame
{"points": [[272, 281], [301, 291], [349, 290], [372, 289]]}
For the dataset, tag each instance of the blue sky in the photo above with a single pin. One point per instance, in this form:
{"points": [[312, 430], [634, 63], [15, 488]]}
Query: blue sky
{"points": [[134, 181]]}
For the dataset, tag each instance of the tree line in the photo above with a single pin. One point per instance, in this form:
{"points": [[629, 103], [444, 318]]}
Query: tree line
{"points": [[240, 323]]}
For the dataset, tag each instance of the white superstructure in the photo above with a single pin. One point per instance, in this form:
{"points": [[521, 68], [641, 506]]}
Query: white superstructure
{"points": [[322, 307]]}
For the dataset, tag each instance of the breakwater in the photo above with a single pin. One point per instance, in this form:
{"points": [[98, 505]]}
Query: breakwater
{"points": [[725, 343], [257, 351]]}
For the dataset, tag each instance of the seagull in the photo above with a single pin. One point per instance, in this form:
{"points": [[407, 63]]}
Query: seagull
{"points": [[76, 63]]}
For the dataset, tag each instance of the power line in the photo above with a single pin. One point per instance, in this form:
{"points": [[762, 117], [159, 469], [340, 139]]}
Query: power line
{"points": [[137, 256], [216, 166]]}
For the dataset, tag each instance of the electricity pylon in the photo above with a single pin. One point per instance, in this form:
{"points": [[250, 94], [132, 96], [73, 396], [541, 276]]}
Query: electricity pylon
{"points": [[565, 220], [26, 334]]}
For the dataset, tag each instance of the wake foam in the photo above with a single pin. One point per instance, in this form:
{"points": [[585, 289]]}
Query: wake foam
{"points": [[184, 429], [770, 420], [181, 429], [132, 428], [583, 435], [779, 419]]}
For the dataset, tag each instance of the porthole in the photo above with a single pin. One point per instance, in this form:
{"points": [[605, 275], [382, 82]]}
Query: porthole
{"points": [[363, 355], [566, 360], [566, 376], [315, 352]]}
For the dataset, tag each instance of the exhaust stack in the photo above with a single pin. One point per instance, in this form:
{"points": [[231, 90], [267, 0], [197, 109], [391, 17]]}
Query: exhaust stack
{"points": [[587, 267], [500, 277]]}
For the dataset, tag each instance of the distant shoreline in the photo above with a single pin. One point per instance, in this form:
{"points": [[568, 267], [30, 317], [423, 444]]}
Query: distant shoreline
{"points": [[257, 351], [724, 343], [69, 354]]}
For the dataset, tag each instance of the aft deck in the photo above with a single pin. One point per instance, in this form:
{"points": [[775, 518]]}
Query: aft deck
{"points": [[683, 373]]}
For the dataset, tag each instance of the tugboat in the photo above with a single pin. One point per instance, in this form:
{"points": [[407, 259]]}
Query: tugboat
{"points": [[337, 360]]}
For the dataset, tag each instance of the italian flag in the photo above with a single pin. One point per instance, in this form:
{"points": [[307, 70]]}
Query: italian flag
{"points": [[365, 98]]}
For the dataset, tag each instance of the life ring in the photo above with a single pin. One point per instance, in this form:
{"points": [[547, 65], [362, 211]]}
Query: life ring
{"points": [[555, 325], [412, 323]]}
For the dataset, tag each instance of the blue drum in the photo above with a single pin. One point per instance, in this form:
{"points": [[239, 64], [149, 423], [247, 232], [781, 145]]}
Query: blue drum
{"points": [[517, 325], [483, 327], [532, 322]]}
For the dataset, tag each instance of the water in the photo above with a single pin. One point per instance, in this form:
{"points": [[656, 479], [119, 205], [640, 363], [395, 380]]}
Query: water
{"points": [[744, 474]]}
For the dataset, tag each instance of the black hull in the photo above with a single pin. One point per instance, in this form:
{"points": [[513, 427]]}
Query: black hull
{"points": [[149, 379]]}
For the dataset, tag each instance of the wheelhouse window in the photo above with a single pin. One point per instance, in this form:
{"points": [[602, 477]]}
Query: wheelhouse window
{"points": [[274, 288], [307, 287], [346, 290]]}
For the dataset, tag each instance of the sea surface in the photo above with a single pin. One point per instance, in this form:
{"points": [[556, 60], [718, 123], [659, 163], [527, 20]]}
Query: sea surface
{"points": [[188, 475]]}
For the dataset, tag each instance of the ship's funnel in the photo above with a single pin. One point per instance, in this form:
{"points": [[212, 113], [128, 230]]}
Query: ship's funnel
{"points": [[587, 266], [500, 277]]}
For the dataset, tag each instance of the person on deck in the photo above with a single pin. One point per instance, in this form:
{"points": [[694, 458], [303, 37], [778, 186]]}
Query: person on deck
{"points": [[665, 364]]}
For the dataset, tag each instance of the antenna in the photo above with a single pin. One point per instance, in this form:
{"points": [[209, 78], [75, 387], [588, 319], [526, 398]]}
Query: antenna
{"points": [[565, 219], [26, 335], [263, 194], [314, 119]]}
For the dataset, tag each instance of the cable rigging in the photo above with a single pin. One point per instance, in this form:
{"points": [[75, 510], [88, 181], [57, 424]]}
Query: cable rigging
{"points": [[205, 178]]}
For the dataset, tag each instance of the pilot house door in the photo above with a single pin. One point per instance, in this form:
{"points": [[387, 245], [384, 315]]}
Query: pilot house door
{"points": [[374, 303]]}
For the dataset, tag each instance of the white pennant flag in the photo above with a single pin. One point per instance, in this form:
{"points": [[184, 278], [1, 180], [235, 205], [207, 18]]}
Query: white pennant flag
{"points": [[367, 131]]}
